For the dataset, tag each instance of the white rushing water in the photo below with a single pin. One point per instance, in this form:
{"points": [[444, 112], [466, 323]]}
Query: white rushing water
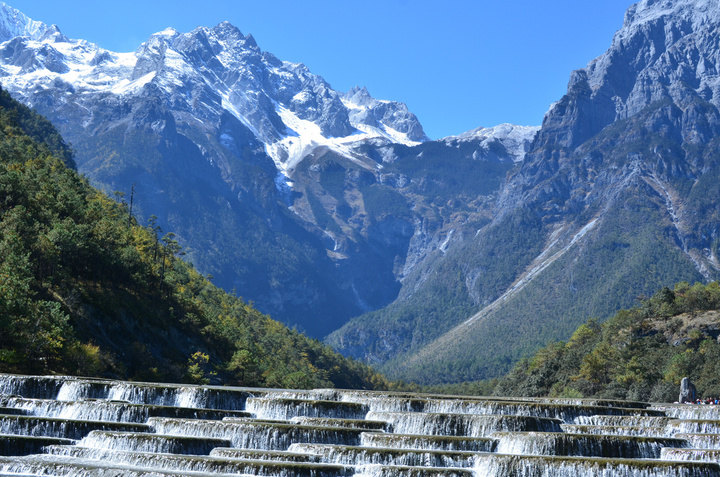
{"points": [[66, 426]]}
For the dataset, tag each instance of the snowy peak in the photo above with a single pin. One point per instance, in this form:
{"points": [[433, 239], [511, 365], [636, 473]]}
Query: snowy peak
{"points": [[14, 23], [516, 140], [389, 119], [208, 73], [359, 96]]}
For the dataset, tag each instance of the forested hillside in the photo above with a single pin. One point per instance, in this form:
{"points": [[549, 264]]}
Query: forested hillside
{"points": [[86, 290], [639, 354]]}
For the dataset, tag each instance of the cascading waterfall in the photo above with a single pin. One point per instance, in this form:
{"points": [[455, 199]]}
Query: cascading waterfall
{"points": [[284, 408], [256, 435], [377, 470], [708, 455], [388, 456], [701, 441], [103, 410], [498, 465], [639, 431], [689, 411], [463, 424], [201, 463], [564, 412], [410, 441], [365, 424], [75, 390], [694, 426], [622, 421], [153, 443], [41, 387], [66, 426], [257, 454], [589, 445], [57, 427]]}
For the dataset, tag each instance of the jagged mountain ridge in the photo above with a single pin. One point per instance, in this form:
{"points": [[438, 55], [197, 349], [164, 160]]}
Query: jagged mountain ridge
{"points": [[616, 198], [305, 200]]}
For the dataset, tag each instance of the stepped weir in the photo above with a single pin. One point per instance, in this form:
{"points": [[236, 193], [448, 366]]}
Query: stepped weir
{"points": [[68, 426]]}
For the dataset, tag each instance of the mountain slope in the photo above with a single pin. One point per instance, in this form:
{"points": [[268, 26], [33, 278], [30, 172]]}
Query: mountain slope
{"points": [[280, 187], [641, 353], [84, 289], [614, 199]]}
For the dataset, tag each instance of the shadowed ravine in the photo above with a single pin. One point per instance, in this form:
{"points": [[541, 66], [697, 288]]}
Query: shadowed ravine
{"points": [[53, 425]]}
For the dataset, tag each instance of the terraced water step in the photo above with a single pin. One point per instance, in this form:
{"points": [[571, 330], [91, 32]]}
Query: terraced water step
{"points": [[103, 410], [112, 428], [67, 388], [639, 431], [41, 387], [705, 455], [701, 441], [253, 419], [372, 470], [689, 411], [203, 397], [358, 455], [256, 435], [564, 412], [634, 420], [256, 454], [417, 399], [500, 465], [415, 441], [59, 427], [694, 426], [214, 463], [367, 425], [147, 442], [61, 466], [588, 445], [270, 407], [463, 424], [584, 402], [26, 445]]}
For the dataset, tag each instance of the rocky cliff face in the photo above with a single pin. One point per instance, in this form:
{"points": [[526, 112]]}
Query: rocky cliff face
{"points": [[614, 199]]}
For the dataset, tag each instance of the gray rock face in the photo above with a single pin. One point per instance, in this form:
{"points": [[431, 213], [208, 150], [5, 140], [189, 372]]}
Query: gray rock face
{"points": [[618, 180], [687, 391]]}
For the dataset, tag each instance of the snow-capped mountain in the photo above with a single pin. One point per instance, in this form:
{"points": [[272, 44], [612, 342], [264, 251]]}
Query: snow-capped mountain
{"points": [[207, 72], [310, 202], [516, 140], [383, 118], [14, 23]]}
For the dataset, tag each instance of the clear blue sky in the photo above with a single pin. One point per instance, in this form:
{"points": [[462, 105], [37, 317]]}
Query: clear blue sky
{"points": [[458, 64]]}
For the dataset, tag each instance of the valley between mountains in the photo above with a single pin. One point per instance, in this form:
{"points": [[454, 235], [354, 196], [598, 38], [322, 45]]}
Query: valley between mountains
{"points": [[436, 261]]}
